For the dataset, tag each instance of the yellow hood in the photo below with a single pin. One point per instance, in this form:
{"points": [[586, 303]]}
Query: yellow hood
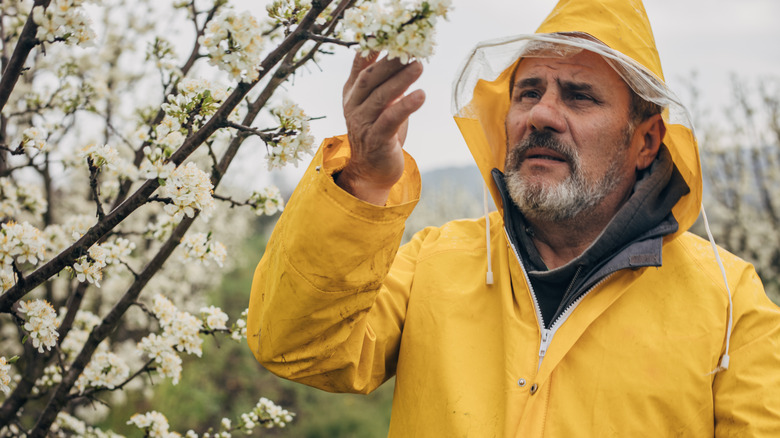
{"points": [[481, 90]]}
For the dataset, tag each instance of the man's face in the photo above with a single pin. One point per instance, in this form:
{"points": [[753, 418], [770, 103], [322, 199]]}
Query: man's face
{"points": [[568, 136]]}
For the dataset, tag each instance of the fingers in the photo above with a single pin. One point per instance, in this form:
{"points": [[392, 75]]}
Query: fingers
{"points": [[393, 117], [375, 91], [382, 82], [358, 64]]}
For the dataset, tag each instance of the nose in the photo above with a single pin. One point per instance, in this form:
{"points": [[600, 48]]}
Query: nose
{"points": [[547, 115]]}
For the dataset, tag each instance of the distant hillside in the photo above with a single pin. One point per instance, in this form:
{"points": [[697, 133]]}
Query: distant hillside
{"points": [[447, 194]]}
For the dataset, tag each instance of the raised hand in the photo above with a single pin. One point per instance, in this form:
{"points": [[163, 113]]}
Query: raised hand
{"points": [[377, 114]]}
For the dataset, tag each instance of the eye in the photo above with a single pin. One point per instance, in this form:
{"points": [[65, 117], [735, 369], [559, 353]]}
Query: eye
{"points": [[529, 94], [582, 96]]}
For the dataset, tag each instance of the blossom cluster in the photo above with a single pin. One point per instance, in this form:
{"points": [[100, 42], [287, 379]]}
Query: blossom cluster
{"points": [[180, 332], [405, 30], [63, 20], [189, 189], [266, 413], [267, 201], [15, 198], [18, 243], [21, 242], [5, 375], [100, 156], [68, 425], [234, 42], [238, 330], [214, 317], [293, 139], [90, 267], [35, 139], [164, 56], [202, 248], [154, 425], [196, 100], [155, 163], [287, 12], [51, 377], [105, 370], [40, 322]]}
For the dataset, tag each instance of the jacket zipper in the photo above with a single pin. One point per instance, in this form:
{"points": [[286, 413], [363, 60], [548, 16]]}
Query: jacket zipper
{"points": [[558, 322], [547, 334]]}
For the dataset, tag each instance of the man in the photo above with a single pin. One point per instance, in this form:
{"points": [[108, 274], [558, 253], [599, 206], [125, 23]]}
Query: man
{"points": [[582, 307]]}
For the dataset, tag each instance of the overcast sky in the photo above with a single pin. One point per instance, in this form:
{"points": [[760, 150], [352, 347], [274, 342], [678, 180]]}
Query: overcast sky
{"points": [[713, 37]]}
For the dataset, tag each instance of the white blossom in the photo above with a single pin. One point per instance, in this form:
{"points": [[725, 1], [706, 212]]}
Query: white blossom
{"points": [[161, 229], [267, 201], [63, 20], [155, 163], [214, 318], [160, 349], [294, 140], [27, 197], [184, 330], [202, 248], [40, 323], [35, 138], [21, 243], [5, 375], [266, 413], [7, 278], [118, 250], [105, 370], [404, 29], [79, 332], [197, 100], [238, 330], [189, 190], [234, 42], [76, 226], [153, 423], [100, 156]]}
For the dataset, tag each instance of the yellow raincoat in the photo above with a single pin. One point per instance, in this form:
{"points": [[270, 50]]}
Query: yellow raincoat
{"points": [[335, 304]]}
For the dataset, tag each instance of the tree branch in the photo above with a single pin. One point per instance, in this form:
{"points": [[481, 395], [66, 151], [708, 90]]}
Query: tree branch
{"points": [[93, 185], [23, 47]]}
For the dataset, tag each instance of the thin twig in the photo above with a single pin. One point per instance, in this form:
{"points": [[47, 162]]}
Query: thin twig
{"points": [[265, 136], [323, 39], [233, 203]]}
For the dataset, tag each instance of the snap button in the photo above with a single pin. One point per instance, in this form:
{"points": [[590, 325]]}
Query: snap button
{"points": [[521, 383], [534, 387]]}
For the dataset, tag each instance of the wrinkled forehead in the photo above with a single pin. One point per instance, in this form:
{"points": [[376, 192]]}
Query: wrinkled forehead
{"points": [[544, 61]]}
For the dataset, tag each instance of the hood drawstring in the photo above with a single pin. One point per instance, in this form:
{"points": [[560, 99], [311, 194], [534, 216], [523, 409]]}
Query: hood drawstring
{"points": [[724, 360], [489, 276]]}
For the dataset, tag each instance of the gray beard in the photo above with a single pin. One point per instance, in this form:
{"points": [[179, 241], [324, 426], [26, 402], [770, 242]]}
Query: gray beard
{"points": [[562, 201]]}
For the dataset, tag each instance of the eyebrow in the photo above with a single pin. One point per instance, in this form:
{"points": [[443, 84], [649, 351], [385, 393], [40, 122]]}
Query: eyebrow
{"points": [[575, 86], [529, 82]]}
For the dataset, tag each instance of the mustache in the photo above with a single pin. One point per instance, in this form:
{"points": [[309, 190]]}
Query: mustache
{"points": [[544, 140]]}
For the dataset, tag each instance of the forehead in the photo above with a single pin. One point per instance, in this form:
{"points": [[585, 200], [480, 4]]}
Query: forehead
{"points": [[584, 67]]}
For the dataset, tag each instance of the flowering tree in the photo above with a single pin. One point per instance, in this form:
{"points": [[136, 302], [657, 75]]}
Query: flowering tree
{"points": [[741, 164], [113, 145]]}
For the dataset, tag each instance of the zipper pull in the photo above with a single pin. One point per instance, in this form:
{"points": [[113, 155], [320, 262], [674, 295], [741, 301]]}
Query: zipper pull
{"points": [[544, 344], [546, 336]]}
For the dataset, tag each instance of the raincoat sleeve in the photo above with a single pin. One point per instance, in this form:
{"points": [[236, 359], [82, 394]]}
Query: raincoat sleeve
{"points": [[324, 311], [747, 394]]}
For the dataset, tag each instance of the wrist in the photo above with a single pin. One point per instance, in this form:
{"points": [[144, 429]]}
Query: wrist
{"points": [[362, 188]]}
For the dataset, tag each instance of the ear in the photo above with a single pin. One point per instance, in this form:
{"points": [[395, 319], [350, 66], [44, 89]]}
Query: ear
{"points": [[647, 139]]}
